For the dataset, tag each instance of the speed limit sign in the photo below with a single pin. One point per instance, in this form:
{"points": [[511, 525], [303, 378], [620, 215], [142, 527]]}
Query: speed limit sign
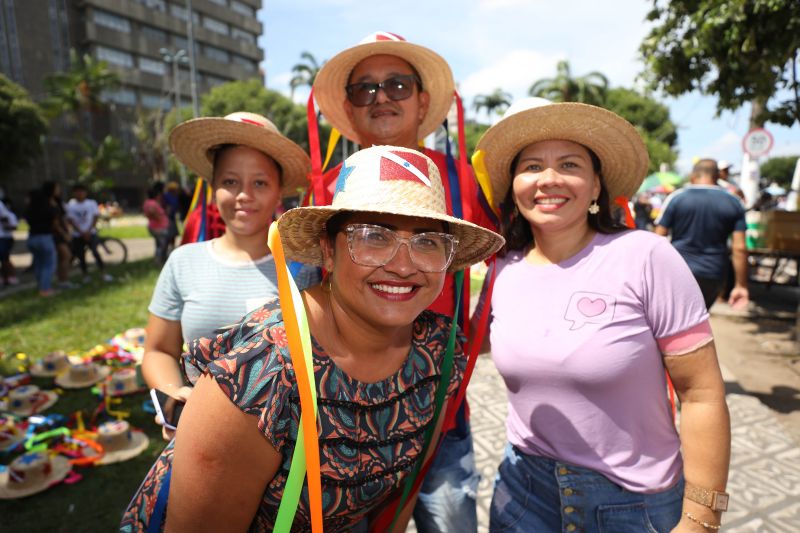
{"points": [[757, 142]]}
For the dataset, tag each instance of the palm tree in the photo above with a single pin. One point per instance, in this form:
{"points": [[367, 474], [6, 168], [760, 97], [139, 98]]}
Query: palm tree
{"points": [[497, 102], [80, 88], [588, 89], [304, 73]]}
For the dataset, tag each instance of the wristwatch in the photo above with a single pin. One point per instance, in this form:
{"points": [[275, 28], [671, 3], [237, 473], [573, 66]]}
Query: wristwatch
{"points": [[713, 499]]}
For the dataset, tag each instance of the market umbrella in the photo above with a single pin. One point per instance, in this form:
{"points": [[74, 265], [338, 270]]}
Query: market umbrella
{"points": [[667, 181], [775, 190]]}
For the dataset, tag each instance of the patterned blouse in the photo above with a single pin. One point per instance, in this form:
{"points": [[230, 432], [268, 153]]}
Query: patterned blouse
{"points": [[370, 434]]}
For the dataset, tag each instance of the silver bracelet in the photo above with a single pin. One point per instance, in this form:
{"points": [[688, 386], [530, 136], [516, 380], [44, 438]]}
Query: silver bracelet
{"points": [[706, 525]]}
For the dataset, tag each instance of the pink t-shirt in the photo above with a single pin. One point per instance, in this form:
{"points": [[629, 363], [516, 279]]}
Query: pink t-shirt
{"points": [[156, 216], [576, 344]]}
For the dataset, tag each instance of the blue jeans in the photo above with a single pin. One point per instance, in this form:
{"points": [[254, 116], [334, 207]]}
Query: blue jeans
{"points": [[43, 249], [538, 494], [447, 498]]}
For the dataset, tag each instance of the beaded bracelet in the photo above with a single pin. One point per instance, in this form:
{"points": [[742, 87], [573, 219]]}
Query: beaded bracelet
{"points": [[702, 523]]}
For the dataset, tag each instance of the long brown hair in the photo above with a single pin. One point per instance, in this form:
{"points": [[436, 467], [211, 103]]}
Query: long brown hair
{"points": [[517, 230]]}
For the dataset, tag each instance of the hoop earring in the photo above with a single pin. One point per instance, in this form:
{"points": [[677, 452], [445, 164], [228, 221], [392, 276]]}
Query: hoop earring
{"points": [[594, 207]]}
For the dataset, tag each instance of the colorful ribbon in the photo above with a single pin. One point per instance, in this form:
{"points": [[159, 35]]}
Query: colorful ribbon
{"points": [[299, 340]]}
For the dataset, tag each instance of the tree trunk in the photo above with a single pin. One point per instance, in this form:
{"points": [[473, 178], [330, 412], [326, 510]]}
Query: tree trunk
{"points": [[756, 109]]}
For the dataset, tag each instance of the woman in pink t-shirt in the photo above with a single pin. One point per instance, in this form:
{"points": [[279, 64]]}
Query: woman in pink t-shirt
{"points": [[587, 315], [157, 222]]}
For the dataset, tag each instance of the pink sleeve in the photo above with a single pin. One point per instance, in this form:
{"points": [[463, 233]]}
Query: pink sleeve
{"points": [[687, 341]]}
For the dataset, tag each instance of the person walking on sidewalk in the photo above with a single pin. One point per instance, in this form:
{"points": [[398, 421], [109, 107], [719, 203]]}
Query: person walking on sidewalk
{"points": [[42, 216], [82, 215], [388, 91], [8, 223], [157, 222], [587, 314], [701, 217]]}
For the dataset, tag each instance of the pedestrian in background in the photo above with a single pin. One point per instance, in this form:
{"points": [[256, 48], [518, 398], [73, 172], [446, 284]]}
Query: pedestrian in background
{"points": [[157, 222], [61, 235], [587, 314], [701, 216], [42, 216], [8, 223], [82, 215]]}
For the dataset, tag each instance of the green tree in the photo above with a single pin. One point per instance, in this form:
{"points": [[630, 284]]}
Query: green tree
{"points": [[472, 134], [652, 120], [496, 102], [152, 151], [22, 125], [741, 51], [588, 89], [98, 163], [780, 170], [305, 72]]}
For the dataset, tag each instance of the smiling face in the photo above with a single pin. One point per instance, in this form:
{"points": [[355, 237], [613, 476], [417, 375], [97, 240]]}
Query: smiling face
{"points": [[247, 189], [554, 183], [386, 122], [388, 296]]}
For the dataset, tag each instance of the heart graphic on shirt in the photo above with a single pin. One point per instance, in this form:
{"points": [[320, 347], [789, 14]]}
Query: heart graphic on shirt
{"points": [[589, 307]]}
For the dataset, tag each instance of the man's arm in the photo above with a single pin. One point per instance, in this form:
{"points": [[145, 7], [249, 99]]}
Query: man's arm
{"points": [[661, 230], [739, 295]]}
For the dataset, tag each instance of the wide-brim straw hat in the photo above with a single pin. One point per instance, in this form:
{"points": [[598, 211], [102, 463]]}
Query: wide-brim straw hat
{"points": [[50, 365], [68, 379], [193, 142], [437, 80], [35, 401], [388, 180], [120, 442], [622, 153], [59, 468]]}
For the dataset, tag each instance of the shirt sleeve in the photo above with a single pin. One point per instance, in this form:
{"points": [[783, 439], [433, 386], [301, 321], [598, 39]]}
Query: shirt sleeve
{"points": [[167, 301], [673, 303], [250, 363]]}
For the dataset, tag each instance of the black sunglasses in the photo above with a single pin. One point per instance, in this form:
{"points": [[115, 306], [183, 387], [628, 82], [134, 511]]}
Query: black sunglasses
{"points": [[396, 88]]}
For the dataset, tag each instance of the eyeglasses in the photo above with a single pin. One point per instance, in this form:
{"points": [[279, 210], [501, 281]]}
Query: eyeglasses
{"points": [[396, 88], [374, 246]]}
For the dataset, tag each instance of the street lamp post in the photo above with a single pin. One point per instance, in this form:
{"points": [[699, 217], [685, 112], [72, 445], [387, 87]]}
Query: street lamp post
{"points": [[175, 59], [192, 68]]}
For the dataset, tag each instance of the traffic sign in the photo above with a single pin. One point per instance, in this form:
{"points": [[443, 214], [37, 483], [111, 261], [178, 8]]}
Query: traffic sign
{"points": [[758, 142]]}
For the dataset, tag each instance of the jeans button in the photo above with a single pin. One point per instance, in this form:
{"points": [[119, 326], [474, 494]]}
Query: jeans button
{"points": [[562, 470], [568, 492], [569, 509], [571, 527]]}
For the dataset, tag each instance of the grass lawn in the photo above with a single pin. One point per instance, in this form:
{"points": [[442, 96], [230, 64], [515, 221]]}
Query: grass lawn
{"points": [[125, 232], [77, 320]]}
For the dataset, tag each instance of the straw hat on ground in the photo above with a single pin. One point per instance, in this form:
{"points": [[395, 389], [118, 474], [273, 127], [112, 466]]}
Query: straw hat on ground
{"points": [[392, 180], [29, 399], [120, 442], [82, 375], [11, 434], [194, 142], [50, 365], [32, 473], [123, 382], [623, 155], [433, 70]]}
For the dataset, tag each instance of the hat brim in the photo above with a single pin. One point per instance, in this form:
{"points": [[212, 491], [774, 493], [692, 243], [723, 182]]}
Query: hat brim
{"points": [[139, 442], [623, 154], [52, 398], [38, 371], [66, 381], [433, 70], [193, 142], [60, 468], [301, 229]]}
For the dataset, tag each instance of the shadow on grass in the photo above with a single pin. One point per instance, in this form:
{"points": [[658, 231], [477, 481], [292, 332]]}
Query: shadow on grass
{"points": [[27, 306]]}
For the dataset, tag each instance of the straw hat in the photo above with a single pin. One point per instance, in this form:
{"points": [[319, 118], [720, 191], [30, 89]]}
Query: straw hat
{"points": [[32, 473], [120, 442], [10, 434], [385, 179], [50, 365], [623, 155], [28, 399], [82, 375], [194, 141], [122, 382], [433, 70]]}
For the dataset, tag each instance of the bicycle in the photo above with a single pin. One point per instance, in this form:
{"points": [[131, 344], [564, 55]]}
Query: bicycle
{"points": [[111, 249]]}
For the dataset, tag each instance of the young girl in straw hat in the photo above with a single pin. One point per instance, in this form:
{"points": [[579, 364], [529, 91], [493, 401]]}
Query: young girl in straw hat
{"points": [[205, 286], [586, 317], [379, 359]]}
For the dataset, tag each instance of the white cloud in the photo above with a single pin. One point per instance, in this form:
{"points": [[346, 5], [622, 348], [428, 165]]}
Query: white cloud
{"points": [[513, 72]]}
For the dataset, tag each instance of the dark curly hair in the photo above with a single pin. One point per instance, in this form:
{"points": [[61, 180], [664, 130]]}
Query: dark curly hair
{"points": [[517, 230]]}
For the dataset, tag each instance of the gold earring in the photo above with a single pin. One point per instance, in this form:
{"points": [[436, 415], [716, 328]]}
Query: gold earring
{"points": [[327, 284], [594, 207]]}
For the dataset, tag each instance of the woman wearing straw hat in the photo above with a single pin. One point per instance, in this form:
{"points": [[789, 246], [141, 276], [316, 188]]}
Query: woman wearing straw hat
{"points": [[205, 286], [379, 359], [586, 317]]}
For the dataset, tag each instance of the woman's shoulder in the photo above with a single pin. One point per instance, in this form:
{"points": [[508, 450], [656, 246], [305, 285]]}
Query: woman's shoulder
{"points": [[633, 239]]}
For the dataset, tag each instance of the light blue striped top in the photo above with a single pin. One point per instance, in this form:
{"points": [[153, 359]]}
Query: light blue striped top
{"points": [[205, 291]]}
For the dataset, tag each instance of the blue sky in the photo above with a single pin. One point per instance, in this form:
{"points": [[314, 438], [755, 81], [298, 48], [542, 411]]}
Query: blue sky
{"points": [[508, 44]]}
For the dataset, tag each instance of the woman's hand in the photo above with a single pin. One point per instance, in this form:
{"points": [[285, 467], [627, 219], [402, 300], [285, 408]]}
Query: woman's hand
{"points": [[180, 394]]}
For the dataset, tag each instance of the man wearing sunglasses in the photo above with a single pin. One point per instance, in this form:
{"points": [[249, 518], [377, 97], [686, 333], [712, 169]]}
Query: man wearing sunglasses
{"points": [[387, 91]]}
